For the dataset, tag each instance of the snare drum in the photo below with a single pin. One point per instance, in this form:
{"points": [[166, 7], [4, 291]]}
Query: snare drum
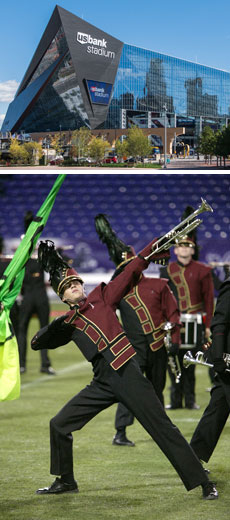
{"points": [[191, 330]]}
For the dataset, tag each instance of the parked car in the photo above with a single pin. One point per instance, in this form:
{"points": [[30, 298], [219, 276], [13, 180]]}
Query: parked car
{"points": [[57, 160], [84, 160], [110, 160], [148, 160], [130, 160]]}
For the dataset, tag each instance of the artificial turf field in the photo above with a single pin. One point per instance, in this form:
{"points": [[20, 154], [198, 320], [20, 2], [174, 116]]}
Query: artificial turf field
{"points": [[114, 482]]}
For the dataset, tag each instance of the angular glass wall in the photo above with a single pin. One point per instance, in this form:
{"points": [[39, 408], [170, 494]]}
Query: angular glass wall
{"points": [[59, 104], [147, 80], [57, 48]]}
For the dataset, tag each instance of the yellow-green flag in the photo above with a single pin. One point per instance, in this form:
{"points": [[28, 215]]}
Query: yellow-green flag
{"points": [[10, 285]]}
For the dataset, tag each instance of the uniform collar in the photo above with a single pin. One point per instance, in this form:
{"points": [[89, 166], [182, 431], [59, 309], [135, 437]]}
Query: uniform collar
{"points": [[182, 265], [80, 303], [83, 304]]}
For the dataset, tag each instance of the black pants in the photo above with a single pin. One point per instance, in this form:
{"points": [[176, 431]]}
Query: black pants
{"points": [[154, 368], [209, 428], [130, 387], [14, 316], [184, 391], [34, 304]]}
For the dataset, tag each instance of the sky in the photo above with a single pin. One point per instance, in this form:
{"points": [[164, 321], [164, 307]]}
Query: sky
{"points": [[198, 30]]}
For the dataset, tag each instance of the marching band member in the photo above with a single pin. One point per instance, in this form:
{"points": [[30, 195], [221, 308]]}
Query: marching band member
{"points": [[192, 285], [214, 418], [92, 324], [143, 310]]}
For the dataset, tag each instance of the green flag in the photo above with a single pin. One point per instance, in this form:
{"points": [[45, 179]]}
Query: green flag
{"points": [[10, 285]]}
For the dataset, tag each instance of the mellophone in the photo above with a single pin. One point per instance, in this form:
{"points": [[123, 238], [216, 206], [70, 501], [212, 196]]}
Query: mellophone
{"points": [[173, 360], [188, 360], [180, 231]]}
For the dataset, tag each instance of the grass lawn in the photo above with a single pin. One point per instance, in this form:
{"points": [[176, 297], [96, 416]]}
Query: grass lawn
{"points": [[114, 482]]}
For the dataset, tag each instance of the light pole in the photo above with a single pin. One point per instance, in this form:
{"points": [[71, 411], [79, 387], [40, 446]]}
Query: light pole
{"points": [[44, 145], [47, 152], [174, 144], [165, 144]]}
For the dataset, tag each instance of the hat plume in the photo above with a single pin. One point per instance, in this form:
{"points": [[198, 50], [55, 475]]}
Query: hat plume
{"points": [[108, 236], [49, 258]]}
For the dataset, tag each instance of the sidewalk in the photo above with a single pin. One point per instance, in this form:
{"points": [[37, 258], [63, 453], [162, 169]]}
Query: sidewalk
{"points": [[194, 164]]}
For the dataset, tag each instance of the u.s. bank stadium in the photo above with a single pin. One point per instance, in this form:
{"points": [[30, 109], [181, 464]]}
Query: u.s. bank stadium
{"points": [[82, 76]]}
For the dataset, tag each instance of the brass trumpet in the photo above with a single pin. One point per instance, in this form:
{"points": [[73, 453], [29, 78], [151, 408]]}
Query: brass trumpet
{"points": [[173, 361], [188, 360], [180, 230]]}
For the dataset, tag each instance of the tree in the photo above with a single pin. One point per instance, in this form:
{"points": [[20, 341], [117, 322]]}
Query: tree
{"points": [[34, 151], [206, 144], [97, 148], [121, 149], [225, 143], [222, 144], [56, 143], [137, 143], [218, 148], [80, 141], [17, 151]]}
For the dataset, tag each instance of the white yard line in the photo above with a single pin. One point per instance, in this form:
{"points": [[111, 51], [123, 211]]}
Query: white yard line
{"points": [[43, 379], [185, 419]]}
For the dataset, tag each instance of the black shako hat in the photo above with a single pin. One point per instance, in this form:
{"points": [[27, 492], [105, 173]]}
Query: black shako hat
{"points": [[59, 270]]}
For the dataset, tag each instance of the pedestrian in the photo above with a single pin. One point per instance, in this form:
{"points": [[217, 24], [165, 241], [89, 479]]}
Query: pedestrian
{"points": [[143, 310], [92, 324]]}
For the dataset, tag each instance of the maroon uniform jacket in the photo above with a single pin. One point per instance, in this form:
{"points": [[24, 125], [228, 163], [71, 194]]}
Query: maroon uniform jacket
{"points": [[92, 324], [145, 308], [193, 287]]}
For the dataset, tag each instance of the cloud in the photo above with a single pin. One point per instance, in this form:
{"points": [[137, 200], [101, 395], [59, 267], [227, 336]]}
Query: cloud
{"points": [[2, 117], [8, 90]]}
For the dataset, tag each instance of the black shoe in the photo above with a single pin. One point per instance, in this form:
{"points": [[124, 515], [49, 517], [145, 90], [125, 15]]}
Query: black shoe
{"points": [[209, 491], [58, 487], [48, 370], [120, 439], [193, 406]]}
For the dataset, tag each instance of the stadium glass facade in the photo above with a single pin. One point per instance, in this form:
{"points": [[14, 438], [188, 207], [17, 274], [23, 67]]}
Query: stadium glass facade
{"points": [[146, 81], [60, 104], [149, 89]]}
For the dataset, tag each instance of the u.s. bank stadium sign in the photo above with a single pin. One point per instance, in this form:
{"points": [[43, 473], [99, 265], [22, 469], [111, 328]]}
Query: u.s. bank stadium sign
{"points": [[95, 45], [99, 91]]}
